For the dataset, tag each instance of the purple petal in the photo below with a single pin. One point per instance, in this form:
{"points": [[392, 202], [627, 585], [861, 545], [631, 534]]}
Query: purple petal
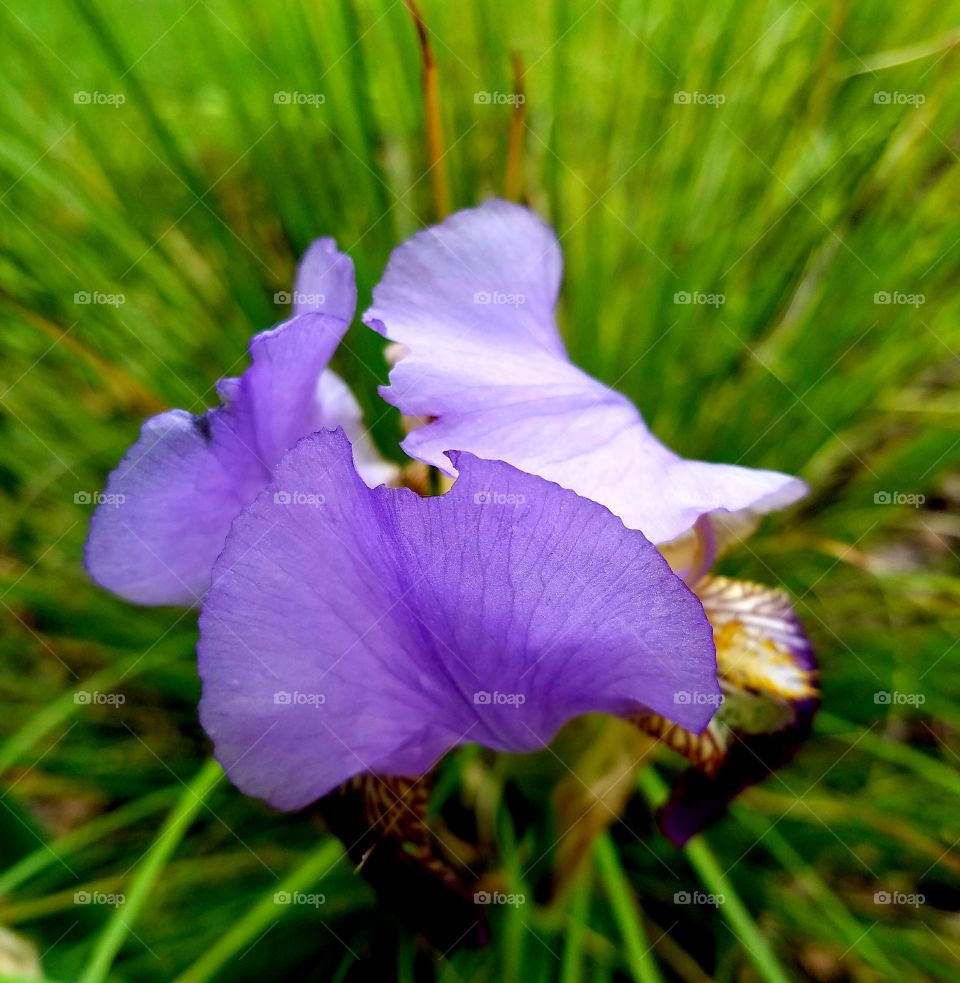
{"points": [[325, 283], [278, 397], [472, 300], [351, 630], [169, 504]]}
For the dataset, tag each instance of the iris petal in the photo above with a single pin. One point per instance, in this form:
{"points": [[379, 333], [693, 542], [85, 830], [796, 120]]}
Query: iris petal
{"points": [[351, 630], [325, 282], [177, 490], [472, 300], [169, 504]]}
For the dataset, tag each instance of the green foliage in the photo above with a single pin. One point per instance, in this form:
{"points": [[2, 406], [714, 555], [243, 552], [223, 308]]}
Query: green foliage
{"points": [[799, 198]]}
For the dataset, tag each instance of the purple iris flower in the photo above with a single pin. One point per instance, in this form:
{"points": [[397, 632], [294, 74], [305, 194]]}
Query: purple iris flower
{"points": [[470, 305], [351, 630], [185, 479]]}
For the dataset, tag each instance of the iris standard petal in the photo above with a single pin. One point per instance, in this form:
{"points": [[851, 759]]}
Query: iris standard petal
{"points": [[352, 630], [169, 504], [471, 301], [325, 282]]}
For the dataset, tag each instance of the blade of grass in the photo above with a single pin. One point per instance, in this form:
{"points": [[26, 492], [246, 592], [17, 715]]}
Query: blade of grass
{"points": [[99, 27], [715, 879], [174, 829], [855, 934], [252, 925], [91, 832], [432, 114], [898, 754], [513, 185], [571, 969], [512, 929], [643, 964], [60, 709]]}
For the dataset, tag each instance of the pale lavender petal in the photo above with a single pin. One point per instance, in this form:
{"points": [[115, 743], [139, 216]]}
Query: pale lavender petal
{"points": [[351, 630], [471, 300]]}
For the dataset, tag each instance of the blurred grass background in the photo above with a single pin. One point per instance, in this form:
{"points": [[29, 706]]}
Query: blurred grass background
{"points": [[827, 175]]}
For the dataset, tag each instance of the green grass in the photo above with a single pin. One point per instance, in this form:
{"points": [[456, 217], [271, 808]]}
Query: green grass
{"points": [[799, 199]]}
